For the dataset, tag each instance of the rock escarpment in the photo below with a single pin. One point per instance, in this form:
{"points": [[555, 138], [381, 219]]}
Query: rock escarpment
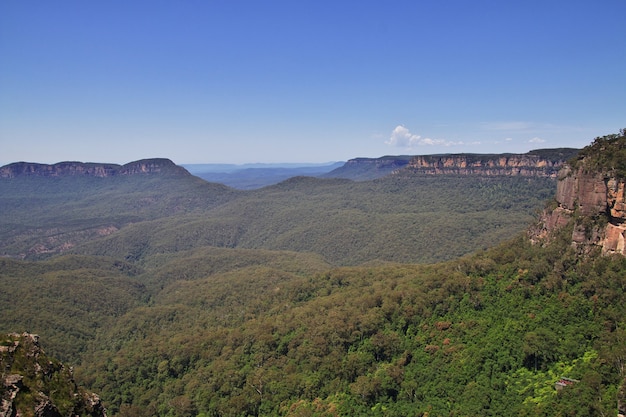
{"points": [[591, 193], [32, 384], [537, 163], [63, 169], [542, 163]]}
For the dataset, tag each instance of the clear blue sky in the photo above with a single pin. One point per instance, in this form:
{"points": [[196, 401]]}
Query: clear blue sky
{"points": [[227, 81]]}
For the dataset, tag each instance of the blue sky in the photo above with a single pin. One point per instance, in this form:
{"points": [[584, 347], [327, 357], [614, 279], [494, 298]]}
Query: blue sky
{"points": [[305, 81]]}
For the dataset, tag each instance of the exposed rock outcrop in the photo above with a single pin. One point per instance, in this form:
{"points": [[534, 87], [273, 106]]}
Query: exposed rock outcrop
{"points": [[590, 192], [542, 163], [63, 169], [31, 383]]}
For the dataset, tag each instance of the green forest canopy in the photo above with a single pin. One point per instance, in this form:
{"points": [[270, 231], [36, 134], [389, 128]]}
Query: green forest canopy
{"points": [[200, 330]]}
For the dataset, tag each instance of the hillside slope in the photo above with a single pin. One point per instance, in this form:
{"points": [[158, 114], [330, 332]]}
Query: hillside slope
{"points": [[520, 329], [48, 209], [409, 219], [66, 299], [152, 206], [253, 176], [487, 335]]}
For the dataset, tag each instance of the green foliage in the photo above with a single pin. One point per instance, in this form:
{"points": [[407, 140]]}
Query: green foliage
{"points": [[555, 154], [247, 332], [290, 300], [479, 336], [37, 378], [607, 154], [416, 219], [66, 299], [43, 216]]}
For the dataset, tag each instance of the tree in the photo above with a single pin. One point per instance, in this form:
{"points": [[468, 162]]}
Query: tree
{"points": [[540, 348]]}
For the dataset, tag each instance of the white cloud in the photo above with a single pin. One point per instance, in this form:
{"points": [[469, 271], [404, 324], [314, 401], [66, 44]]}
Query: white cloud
{"points": [[403, 138], [536, 140]]}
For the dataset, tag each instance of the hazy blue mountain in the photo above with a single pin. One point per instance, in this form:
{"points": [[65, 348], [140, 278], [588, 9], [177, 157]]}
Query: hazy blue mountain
{"points": [[252, 176]]}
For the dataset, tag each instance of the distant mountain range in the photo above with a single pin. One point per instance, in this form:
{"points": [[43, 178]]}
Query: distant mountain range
{"points": [[251, 176], [542, 162], [350, 215]]}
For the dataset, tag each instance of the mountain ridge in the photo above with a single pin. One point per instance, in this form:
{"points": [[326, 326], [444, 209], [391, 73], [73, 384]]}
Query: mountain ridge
{"points": [[540, 162], [91, 169]]}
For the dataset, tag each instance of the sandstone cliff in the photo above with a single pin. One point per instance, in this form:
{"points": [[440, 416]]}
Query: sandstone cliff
{"points": [[32, 384], [61, 169], [590, 193], [543, 163]]}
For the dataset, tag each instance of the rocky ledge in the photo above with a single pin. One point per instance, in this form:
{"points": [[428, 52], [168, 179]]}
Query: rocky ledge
{"points": [[32, 384]]}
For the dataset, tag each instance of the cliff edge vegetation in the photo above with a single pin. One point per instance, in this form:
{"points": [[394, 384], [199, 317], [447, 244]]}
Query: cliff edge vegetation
{"points": [[591, 194], [34, 384], [606, 155]]}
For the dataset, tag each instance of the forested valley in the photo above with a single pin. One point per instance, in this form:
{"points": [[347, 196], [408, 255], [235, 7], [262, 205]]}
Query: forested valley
{"points": [[401, 296]]}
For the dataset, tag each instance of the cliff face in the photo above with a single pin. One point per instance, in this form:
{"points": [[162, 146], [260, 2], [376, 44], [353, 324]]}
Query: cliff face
{"points": [[542, 162], [591, 193], [32, 384], [530, 164], [62, 169]]}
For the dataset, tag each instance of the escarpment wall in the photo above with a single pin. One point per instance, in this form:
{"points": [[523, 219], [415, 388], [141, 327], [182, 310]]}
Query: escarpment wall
{"points": [[489, 165], [597, 202]]}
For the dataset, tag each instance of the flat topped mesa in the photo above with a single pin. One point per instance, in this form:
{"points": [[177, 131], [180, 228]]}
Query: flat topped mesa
{"points": [[542, 163], [90, 169]]}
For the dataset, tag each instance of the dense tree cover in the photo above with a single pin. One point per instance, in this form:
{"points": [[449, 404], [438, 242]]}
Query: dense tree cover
{"points": [[43, 216], [195, 309], [247, 332], [347, 222], [408, 219], [66, 299], [489, 334], [607, 154]]}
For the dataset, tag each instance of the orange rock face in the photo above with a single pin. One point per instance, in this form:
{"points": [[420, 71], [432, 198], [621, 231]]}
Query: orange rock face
{"points": [[467, 164], [591, 195]]}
